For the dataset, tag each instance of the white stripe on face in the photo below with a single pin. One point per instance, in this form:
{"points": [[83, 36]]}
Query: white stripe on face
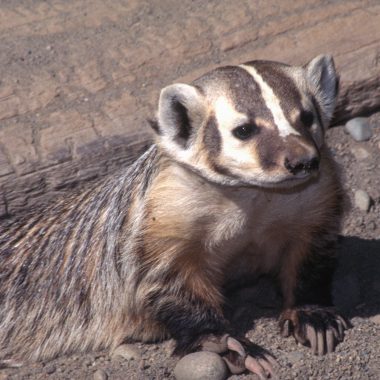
{"points": [[273, 103], [226, 115]]}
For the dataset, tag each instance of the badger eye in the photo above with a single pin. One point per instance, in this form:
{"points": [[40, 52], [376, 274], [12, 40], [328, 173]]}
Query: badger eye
{"points": [[307, 118], [244, 132]]}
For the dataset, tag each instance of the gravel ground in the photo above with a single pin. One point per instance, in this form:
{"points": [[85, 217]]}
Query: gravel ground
{"points": [[356, 291]]}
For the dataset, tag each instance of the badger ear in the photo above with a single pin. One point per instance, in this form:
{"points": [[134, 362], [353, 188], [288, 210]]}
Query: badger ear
{"points": [[324, 83], [181, 110]]}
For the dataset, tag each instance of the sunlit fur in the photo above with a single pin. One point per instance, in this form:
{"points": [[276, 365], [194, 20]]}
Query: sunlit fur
{"points": [[146, 253]]}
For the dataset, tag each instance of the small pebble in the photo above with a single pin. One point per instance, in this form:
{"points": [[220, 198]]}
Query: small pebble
{"points": [[362, 200], [50, 369], [295, 356], [372, 225], [201, 366], [143, 365], [360, 153], [375, 319], [127, 351], [100, 375], [359, 129]]}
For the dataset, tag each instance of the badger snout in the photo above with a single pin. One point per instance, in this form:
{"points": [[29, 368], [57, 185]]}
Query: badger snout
{"points": [[302, 166]]}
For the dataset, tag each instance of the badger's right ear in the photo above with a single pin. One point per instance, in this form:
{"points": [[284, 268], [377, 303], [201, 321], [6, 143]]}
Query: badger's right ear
{"points": [[181, 111], [324, 82]]}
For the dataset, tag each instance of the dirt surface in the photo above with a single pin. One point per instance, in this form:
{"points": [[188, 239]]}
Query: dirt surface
{"points": [[79, 78]]}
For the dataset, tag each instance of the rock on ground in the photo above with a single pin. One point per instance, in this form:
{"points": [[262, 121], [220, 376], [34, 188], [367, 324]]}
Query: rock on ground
{"points": [[359, 128], [362, 200], [100, 375], [201, 366], [127, 351]]}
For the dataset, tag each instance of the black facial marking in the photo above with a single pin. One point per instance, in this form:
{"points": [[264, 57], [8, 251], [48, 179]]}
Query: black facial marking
{"points": [[307, 118], [211, 138]]}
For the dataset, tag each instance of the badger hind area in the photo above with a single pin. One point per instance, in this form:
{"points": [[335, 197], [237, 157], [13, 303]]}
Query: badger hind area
{"points": [[65, 285]]}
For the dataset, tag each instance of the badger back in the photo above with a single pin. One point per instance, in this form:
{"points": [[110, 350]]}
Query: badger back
{"points": [[64, 269]]}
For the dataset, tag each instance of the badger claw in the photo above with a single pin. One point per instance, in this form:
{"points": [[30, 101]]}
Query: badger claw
{"points": [[320, 328], [241, 355]]}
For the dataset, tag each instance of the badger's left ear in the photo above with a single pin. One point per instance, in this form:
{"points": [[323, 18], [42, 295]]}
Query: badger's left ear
{"points": [[323, 81], [181, 110]]}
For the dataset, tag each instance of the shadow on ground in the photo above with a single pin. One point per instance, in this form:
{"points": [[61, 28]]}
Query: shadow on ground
{"points": [[357, 280], [356, 288]]}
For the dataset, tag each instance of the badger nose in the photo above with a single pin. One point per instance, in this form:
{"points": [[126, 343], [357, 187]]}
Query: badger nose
{"points": [[302, 165]]}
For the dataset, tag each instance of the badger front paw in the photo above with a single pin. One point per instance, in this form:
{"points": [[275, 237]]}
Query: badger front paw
{"points": [[320, 328], [241, 355]]}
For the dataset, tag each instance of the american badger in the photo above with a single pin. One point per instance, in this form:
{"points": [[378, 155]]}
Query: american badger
{"points": [[238, 183]]}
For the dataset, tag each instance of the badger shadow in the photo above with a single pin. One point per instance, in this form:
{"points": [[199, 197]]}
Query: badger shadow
{"points": [[356, 288]]}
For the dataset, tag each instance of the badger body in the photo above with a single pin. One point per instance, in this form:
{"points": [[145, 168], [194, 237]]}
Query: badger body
{"points": [[238, 183]]}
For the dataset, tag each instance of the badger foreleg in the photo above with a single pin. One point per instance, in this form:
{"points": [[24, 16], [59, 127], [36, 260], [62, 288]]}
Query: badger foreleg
{"points": [[198, 325], [306, 282]]}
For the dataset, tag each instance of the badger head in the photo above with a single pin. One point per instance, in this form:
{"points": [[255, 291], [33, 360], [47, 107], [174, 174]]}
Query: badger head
{"points": [[261, 123]]}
